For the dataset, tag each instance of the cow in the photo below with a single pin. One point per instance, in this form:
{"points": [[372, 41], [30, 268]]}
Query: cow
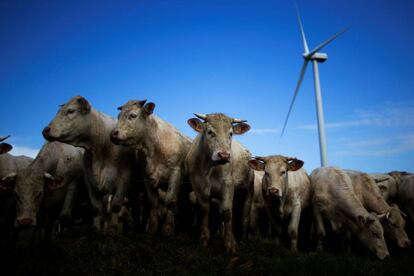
{"points": [[387, 186], [8, 164], [218, 168], [164, 148], [109, 168], [370, 196], [282, 188], [398, 188], [46, 190], [333, 199]]}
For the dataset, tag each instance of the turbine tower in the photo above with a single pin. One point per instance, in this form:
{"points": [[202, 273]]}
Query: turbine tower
{"points": [[315, 57]]}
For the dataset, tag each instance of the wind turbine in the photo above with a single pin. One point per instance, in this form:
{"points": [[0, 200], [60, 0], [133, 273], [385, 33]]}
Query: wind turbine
{"points": [[315, 57]]}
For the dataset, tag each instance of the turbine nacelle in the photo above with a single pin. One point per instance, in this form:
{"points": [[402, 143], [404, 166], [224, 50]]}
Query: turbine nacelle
{"points": [[319, 57]]}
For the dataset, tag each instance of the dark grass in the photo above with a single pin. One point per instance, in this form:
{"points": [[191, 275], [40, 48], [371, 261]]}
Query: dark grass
{"points": [[84, 252]]}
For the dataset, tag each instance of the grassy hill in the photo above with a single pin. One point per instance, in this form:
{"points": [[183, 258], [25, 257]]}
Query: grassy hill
{"points": [[84, 252]]}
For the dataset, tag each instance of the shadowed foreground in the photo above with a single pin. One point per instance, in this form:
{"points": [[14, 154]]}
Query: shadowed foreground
{"points": [[83, 252]]}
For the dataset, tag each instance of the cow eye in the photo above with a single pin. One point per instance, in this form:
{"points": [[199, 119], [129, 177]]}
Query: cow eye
{"points": [[70, 111], [375, 234], [282, 172], [132, 116], [231, 134], [211, 133]]}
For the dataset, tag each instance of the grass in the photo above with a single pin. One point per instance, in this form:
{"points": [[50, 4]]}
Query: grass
{"points": [[84, 252]]}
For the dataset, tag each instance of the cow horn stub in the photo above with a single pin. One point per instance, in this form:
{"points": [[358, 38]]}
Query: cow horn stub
{"points": [[49, 176], [291, 158], [2, 138], [10, 175], [201, 116], [260, 158], [237, 121], [381, 180]]}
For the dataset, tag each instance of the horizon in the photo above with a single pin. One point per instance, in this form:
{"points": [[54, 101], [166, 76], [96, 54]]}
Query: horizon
{"points": [[241, 58]]}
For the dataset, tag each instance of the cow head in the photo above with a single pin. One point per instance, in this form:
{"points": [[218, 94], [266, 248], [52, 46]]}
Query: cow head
{"points": [[371, 234], [397, 175], [4, 147], [29, 190], [70, 123], [275, 179], [394, 225], [216, 132], [387, 186], [132, 122]]}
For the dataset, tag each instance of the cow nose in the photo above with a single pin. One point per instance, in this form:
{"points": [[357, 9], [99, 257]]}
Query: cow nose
{"points": [[224, 155], [115, 136], [25, 222], [407, 243], [46, 130], [274, 191]]}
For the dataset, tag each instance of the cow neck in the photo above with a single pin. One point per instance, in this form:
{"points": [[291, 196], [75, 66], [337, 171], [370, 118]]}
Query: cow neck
{"points": [[98, 139], [372, 201], [46, 160], [203, 157], [5, 159], [150, 141]]}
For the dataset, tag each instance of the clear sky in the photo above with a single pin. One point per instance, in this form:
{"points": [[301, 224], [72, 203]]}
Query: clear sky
{"points": [[238, 57]]}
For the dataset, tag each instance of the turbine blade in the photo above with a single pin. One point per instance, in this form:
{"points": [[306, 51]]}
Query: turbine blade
{"points": [[326, 42], [305, 43], [301, 76]]}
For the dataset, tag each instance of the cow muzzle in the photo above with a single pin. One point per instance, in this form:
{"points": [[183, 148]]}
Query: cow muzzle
{"points": [[25, 222], [274, 192], [404, 243], [115, 137], [46, 133], [222, 157]]}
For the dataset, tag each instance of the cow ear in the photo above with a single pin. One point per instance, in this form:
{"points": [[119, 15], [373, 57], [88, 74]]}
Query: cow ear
{"points": [[240, 128], [383, 217], [371, 217], [361, 220], [196, 124], [84, 105], [4, 148], [295, 165], [8, 182], [51, 182], [383, 188], [256, 165], [148, 109]]}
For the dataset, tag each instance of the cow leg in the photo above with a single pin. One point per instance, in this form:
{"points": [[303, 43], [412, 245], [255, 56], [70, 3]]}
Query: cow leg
{"points": [[254, 216], [171, 197], [69, 201], [229, 240], [226, 208], [153, 197], [120, 193], [96, 203], [247, 213], [205, 231], [293, 226], [174, 185], [320, 228]]}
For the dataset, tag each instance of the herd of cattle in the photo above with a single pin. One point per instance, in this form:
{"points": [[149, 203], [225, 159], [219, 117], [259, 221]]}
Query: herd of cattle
{"points": [[141, 171]]}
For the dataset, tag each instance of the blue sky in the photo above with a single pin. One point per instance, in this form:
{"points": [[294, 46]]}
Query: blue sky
{"points": [[238, 57]]}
